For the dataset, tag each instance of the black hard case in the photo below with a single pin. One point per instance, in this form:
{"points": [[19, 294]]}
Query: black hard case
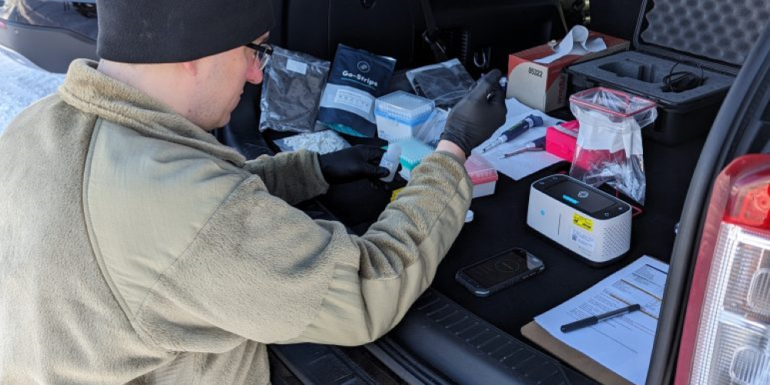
{"points": [[716, 36]]}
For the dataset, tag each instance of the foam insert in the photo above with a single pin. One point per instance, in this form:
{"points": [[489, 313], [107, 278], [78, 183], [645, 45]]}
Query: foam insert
{"points": [[716, 29], [644, 74]]}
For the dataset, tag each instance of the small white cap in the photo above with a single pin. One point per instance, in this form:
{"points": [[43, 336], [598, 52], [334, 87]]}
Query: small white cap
{"points": [[394, 150], [468, 216]]}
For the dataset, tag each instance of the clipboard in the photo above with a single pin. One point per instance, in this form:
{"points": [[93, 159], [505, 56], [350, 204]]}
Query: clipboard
{"points": [[617, 351], [575, 358]]}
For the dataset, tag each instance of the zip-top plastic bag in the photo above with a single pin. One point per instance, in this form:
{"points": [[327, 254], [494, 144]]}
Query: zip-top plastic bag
{"points": [[430, 131], [445, 83], [322, 142], [609, 144], [291, 91]]}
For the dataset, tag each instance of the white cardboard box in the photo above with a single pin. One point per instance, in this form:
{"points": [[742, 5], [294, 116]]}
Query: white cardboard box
{"points": [[544, 86]]}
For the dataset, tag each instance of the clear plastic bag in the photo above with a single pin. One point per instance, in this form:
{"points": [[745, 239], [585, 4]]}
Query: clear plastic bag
{"points": [[291, 91], [322, 142], [609, 144], [445, 83], [430, 131]]}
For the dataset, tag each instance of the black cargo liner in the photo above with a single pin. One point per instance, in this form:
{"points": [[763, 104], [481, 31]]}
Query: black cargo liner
{"points": [[499, 224], [706, 37], [471, 351]]}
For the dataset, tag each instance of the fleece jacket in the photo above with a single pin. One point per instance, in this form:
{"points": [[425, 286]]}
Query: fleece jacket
{"points": [[135, 249]]}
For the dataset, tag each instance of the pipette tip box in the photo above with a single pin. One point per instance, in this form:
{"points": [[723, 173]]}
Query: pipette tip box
{"points": [[561, 139], [483, 175], [400, 113], [412, 153]]}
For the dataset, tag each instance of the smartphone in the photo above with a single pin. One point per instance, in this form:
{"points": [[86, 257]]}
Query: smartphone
{"points": [[500, 271]]}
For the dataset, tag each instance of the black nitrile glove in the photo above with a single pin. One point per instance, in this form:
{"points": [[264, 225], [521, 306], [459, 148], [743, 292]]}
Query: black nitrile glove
{"points": [[352, 164], [476, 117]]}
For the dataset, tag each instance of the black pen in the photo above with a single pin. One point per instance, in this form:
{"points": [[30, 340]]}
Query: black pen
{"points": [[593, 320]]}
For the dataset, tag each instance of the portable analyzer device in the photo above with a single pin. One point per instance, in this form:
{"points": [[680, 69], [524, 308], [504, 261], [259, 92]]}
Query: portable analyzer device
{"points": [[583, 219]]}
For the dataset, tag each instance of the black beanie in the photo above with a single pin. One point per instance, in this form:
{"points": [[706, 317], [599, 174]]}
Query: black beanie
{"points": [[173, 31]]}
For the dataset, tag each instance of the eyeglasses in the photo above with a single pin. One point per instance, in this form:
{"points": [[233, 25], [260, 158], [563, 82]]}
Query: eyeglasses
{"points": [[262, 53]]}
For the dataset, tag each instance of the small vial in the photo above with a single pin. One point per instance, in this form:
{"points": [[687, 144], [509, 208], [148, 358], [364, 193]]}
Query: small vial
{"points": [[390, 161], [503, 84]]}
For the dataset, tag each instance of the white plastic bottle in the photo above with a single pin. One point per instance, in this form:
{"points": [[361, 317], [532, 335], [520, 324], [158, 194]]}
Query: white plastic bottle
{"points": [[390, 161]]}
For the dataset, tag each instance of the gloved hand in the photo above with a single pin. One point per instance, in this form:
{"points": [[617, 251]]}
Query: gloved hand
{"points": [[476, 117], [351, 164]]}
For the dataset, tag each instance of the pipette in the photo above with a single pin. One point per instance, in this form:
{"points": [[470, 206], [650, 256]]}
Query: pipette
{"points": [[535, 145], [515, 130]]}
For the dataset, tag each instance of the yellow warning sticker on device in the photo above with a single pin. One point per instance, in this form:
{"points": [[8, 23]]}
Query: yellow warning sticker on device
{"points": [[581, 221]]}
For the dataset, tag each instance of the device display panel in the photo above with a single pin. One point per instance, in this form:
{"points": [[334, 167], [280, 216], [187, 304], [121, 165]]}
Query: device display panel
{"points": [[588, 200]]}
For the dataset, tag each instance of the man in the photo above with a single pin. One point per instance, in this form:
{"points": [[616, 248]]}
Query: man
{"points": [[134, 249]]}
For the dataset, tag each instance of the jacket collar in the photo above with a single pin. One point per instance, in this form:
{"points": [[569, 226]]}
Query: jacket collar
{"points": [[93, 92]]}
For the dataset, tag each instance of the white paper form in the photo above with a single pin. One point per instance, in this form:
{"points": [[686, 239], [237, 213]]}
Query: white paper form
{"points": [[622, 344], [524, 164]]}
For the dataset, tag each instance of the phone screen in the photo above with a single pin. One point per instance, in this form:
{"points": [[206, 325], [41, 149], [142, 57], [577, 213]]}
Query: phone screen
{"points": [[498, 269]]}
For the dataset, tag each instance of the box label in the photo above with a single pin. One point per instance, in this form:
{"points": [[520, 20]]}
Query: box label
{"points": [[584, 241], [583, 222], [536, 72], [295, 66], [356, 99]]}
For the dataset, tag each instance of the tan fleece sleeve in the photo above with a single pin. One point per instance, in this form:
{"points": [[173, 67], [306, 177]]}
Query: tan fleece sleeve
{"points": [[264, 271], [399, 257], [293, 176]]}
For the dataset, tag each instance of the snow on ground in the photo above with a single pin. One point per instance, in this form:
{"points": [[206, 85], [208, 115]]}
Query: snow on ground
{"points": [[21, 84]]}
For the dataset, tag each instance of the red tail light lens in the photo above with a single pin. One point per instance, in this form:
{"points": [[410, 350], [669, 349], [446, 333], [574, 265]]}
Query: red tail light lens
{"points": [[750, 206], [726, 336]]}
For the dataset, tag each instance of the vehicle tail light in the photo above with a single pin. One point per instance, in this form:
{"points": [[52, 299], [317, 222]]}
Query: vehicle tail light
{"points": [[726, 335]]}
